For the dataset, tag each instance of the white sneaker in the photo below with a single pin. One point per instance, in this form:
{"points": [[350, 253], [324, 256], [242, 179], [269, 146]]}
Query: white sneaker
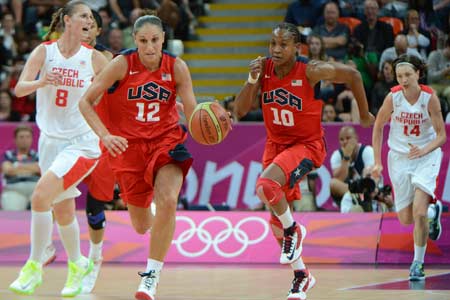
{"points": [[49, 255], [90, 280], [148, 285], [29, 279], [291, 248], [76, 273], [303, 281]]}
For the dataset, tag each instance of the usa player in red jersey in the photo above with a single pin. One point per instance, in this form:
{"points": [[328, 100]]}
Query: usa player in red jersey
{"points": [[416, 134], [143, 136], [295, 145]]}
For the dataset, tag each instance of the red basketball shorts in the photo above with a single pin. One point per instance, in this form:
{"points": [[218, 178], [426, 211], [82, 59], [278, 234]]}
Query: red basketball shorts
{"points": [[288, 158], [136, 168]]}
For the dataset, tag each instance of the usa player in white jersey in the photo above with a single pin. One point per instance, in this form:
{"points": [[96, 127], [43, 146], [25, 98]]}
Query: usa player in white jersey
{"points": [[59, 72], [417, 132]]}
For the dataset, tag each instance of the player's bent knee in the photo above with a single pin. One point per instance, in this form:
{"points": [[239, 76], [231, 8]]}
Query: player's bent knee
{"points": [[269, 191], [95, 212]]}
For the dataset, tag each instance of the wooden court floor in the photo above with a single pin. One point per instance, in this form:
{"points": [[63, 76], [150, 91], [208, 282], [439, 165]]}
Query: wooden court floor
{"points": [[245, 282]]}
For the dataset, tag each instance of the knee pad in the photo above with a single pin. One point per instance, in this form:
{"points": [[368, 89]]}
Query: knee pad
{"points": [[305, 166], [275, 222], [95, 212], [270, 190]]}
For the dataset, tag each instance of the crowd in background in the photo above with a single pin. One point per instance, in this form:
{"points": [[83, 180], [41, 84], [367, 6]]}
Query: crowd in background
{"points": [[25, 22]]}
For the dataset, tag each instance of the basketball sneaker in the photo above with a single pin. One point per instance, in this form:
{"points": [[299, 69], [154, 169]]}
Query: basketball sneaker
{"points": [[89, 281], [302, 282], [30, 277], [76, 273], [49, 255], [435, 223], [416, 272], [291, 248], [147, 288]]}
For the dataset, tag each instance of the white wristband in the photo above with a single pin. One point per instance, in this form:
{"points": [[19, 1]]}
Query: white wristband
{"points": [[251, 80]]}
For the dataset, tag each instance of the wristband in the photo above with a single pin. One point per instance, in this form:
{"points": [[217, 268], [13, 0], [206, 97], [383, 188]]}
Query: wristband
{"points": [[346, 158], [251, 80]]}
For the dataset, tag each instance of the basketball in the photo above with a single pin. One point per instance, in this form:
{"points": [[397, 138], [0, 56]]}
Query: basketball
{"points": [[209, 123]]}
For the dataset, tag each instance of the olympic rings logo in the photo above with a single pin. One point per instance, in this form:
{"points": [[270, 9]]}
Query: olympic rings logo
{"points": [[206, 237]]}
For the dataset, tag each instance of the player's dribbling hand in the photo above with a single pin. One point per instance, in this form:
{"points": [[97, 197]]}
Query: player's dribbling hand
{"points": [[367, 120], [116, 145]]}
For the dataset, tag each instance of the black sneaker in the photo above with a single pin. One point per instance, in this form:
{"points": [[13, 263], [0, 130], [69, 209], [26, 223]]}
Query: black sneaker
{"points": [[435, 223], [416, 272]]}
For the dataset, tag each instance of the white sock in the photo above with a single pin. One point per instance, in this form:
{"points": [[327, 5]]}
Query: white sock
{"points": [[70, 237], [431, 211], [154, 265], [286, 218], [95, 250], [298, 265], [41, 225], [419, 253]]}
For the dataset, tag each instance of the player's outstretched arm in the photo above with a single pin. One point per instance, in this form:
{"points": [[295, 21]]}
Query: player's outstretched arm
{"points": [[377, 135], [244, 99], [341, 73], [184, 87], [114, 71]]}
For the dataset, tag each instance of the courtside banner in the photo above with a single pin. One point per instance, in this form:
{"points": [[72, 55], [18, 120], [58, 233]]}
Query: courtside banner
{"points": [[227, 173], [212, 237]]}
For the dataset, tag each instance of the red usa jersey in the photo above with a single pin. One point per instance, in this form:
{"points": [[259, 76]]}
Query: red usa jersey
{"points": [[410, 124], [143, 104], [291, 111]]}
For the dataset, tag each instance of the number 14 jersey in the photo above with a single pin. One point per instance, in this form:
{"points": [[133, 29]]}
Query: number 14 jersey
{"points": [[410, 123], [57, 113]]}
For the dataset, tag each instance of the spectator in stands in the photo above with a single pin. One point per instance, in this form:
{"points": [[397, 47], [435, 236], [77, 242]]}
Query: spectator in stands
{"points": [[439, 71], [393, 8], [400, 47], [127, 33], [7, 114], [97, 4], [115, 40], [329, 113], [441, 14], [382, 86], [8, 32], [352, 8], [335, 35], [352, 160], [373, 34], [107, 25], [20, 171], [304, 14], [122, 9], [418, 37], [14, 6]]}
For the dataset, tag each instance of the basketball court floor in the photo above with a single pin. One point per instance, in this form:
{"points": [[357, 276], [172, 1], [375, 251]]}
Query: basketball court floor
{"points": [[246, 282]]}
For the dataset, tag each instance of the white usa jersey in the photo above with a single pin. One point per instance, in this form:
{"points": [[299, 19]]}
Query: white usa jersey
{"points": [[57, 113], [410, 124]]}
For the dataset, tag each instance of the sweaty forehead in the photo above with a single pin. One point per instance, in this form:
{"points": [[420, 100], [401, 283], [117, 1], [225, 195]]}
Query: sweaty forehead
{"points": [[404, 69]]}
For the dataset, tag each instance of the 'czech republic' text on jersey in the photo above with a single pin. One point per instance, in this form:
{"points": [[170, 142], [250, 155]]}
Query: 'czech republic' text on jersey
{"points": [[57, 113], [410, 123], [291, 112], [143, 104]]}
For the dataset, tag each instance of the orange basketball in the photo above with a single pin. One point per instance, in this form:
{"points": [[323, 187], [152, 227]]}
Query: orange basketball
{"points": [[209, 123]]}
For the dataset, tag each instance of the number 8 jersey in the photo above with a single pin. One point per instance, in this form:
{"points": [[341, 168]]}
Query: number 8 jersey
{"points": [[410, 124], [57, 113]]}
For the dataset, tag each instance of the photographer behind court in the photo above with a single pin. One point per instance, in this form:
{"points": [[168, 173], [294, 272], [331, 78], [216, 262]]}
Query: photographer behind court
{"points": [[350, 165]]}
